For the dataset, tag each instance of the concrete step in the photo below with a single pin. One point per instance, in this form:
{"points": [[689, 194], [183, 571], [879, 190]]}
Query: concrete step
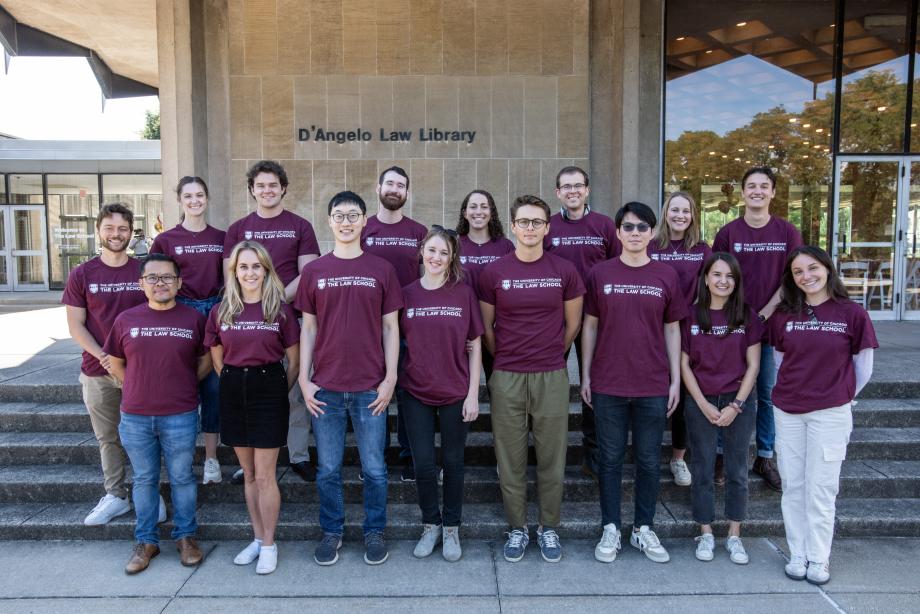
{"points": [[299, 521]]}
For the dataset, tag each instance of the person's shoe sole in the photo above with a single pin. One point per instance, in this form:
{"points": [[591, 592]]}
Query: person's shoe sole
{"points": [[333, 561], [815, 582], [513, 560], [604, 558], [549, 560], [381, 561], [792, 577], [703, 559]]}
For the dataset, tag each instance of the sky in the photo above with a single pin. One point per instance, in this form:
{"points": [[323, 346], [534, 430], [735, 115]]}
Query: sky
{"points": [[59, 99]]}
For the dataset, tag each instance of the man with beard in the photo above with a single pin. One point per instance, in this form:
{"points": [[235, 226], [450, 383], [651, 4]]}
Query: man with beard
{"points": [[396, 238], [96, 292]]}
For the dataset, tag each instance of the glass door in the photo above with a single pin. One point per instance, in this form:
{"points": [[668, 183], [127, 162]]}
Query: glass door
{"points": [[24, 238], [910, 225], [5, 260]]}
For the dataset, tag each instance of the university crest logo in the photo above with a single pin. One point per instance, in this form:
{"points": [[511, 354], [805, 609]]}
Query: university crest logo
{"points": [[608, 288], [179, 250], [94, 288], [694, 330], [247, 235], [655, 256], [321, 283], [410, 313], [369, 241], [462, 259], [135, 332], [555, 241], [223, 327], [506, 284], [738, 246], [788, 327]]}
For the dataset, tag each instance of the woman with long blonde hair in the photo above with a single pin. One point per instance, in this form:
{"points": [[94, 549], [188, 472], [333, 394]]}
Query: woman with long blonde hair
{"points": [[249, 333]]}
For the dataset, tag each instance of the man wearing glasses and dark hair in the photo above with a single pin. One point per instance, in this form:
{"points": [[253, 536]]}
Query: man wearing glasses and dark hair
{"points": [[157, 350], [531, 310], [584, 238]]}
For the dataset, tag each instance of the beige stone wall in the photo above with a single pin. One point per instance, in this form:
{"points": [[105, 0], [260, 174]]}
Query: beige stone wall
{"points": [[515, 71]]}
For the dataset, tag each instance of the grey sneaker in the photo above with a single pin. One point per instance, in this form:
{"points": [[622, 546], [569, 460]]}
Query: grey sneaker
{"points": [[550, 548], [606, 549], [647, 542], [375, 548], [450, 549], [736, 551], [705, 544], [431, 535], [327, 552], [516, 545]]}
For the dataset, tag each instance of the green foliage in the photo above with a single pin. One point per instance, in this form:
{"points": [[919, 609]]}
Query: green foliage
{"points": [[151, 131]]}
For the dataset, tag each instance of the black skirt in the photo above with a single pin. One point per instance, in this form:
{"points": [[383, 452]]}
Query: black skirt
{"points": [[254, 406]]}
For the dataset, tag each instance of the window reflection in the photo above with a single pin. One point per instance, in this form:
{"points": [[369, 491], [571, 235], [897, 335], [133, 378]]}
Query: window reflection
{"points": [[73, 201]]}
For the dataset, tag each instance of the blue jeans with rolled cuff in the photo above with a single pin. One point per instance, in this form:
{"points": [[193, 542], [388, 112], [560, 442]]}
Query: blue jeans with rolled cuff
{"points": [[209, 387]]}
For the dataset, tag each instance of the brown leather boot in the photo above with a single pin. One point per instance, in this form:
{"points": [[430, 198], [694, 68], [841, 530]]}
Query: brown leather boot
{"points": [[766, 468], [140, 558], [189, 552]]}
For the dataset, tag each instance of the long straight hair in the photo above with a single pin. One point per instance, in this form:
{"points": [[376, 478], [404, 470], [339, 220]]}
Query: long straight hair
{"points": [[272, 289], [793, 298], [691, 235], [454, 269], [736, 312]]}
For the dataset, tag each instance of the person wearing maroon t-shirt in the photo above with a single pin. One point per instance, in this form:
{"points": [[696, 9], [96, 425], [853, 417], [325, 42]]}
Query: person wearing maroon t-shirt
{"points": [[720, 358], [291, 242], [531, 306], [677, 243], [824, 353], [198, 248], [349, 347], [761, 243], [249, 333], [396, 238], [482, 240], [583, 237], [156, 349], [631, 374], [96, 292], [440, 382]]}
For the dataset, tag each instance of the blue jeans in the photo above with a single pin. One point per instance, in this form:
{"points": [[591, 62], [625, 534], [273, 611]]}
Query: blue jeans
{"points": [[614, 417], [329, 433], [209, 387], [145, 438], [766, 379]]}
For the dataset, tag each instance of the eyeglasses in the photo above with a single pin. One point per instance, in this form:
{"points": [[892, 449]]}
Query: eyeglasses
{"points": [[155, 279], [352, 217], [572, 187], [629, 227], [523, 223], [448, 231]]}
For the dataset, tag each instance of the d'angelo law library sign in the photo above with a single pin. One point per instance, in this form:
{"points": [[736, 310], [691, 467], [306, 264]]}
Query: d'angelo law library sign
{"points": [[360, 135]]}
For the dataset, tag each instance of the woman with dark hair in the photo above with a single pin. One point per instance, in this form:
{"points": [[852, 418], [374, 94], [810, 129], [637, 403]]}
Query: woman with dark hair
{"points": [[198, 249], [482, 240], [677, 243], [720, 359], [824, 346], [440, 382]]}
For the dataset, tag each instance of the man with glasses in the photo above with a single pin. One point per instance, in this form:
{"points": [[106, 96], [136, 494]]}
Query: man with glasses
{"points": [[396, 238], [96, 292], [291, 242], [531, 309], [349, 345], [584, 238], [157, 350]]}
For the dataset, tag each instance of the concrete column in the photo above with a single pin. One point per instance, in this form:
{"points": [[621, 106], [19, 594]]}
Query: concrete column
{"points": [[626, 99]]}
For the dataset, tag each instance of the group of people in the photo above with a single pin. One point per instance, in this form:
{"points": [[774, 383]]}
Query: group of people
{"points": [[269, 339]]}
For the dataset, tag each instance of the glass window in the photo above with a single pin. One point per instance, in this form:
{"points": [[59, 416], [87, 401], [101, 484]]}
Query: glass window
{"points": [[749, 84], [73, 201], [144, 196], [874, 92], [26, 190]]}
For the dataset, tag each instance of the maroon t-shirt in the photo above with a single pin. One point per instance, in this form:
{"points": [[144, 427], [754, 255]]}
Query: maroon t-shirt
{"points": [[718, 358], [817, 370], [200, 258], [632, 305], [687, 264], [286, 237], [249, 341], [583, 242], [104, 292], [474, 257], [761, 252], [529, 302], [436, 325], [160, 350], [397, 243], [349, 299]]}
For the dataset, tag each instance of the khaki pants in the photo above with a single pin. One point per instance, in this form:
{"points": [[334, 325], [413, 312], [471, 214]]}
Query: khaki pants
{"points": [[544, 397], [102, 397]]}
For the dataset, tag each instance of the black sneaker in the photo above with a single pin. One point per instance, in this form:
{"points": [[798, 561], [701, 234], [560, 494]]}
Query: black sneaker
{"points": [[305, 470], [375, 548], [408, 473], [327, 551]]}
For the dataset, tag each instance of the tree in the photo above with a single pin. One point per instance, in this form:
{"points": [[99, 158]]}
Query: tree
{"points": [[151, 131]]}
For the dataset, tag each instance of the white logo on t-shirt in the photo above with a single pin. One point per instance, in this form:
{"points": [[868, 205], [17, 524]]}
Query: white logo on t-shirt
{"points": [[608, 288], [788, 327], [369, 240], [654, 256], [135, 331], [94, 288], [410, 313], [247, 235], [506, 284], [555, 241], [462, 259], [737, 247], [223, 327], [179, 250], [321, 283], [694, 330]]}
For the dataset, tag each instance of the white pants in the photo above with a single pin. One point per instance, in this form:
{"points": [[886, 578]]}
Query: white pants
{"points": [[811, 448]]}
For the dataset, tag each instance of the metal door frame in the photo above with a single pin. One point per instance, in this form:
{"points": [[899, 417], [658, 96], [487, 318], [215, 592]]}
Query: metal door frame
{"points": [[41, 251]]}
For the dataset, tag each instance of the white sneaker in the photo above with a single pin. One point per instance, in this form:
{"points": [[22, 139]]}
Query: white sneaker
{"points": [[161, 511], [108, 507], [796, 567], [606, 549], [736, 551], [705, 544], [818, 573], [248, 554], [268, 559], [211, 471], [681, 473], [647, 542], [431, 537]]}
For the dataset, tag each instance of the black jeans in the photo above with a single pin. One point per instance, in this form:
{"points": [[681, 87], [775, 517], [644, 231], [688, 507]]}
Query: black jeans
{"points": [[647, 418], [588, 422], [736, 441], [420, 426], [679, 422]]}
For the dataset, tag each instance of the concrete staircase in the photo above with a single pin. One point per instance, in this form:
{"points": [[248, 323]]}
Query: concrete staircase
{"points": [[50, 478]]}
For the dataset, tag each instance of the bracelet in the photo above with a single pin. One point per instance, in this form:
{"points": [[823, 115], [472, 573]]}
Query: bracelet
{"points": [[737, 403]]}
